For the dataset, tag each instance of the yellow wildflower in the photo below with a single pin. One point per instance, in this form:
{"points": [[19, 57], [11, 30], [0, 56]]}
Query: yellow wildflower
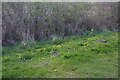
{"points": [[55, 70]]}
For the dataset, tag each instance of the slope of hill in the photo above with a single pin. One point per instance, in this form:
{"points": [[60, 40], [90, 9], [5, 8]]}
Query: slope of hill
{"points": [[93, 56]]}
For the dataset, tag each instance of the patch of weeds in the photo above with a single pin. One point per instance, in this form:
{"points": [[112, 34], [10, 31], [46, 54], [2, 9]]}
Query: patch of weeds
{"points": [[7, 50], [54, 49], [23, 47], [84, 39], [38, 47], [118, 44], [48, 49], [57, 42], [11, 74], [6, 59], [101, 50], [27, 46], [108, 46], [74, 68], [54, 52], [70, 56], [3, 52], [80, 44], [16, 68], [75, 47], [46, 53], [67, 56], [96, 50], [29, 49], [26, 57]]}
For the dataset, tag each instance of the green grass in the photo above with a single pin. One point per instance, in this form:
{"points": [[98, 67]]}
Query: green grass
{"points": [[86, 57]]}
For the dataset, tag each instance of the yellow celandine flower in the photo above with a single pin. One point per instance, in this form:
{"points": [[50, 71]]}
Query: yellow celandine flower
{"points": [[59, 46], [86, 44], [41, 49], [55, 70]]}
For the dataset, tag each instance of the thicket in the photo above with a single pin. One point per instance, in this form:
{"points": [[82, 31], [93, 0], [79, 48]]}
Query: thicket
{"points": [[30, 22]]}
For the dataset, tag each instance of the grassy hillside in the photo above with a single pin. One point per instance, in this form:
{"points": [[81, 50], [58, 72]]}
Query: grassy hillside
{"points": [[90, 56]]}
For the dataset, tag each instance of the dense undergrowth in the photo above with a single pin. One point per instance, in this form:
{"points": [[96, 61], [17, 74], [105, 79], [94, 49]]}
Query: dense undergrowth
{"points": [[92, 56]]}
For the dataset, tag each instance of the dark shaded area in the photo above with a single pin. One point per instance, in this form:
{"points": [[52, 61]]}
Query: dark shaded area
{"points": [[30, 22]]}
